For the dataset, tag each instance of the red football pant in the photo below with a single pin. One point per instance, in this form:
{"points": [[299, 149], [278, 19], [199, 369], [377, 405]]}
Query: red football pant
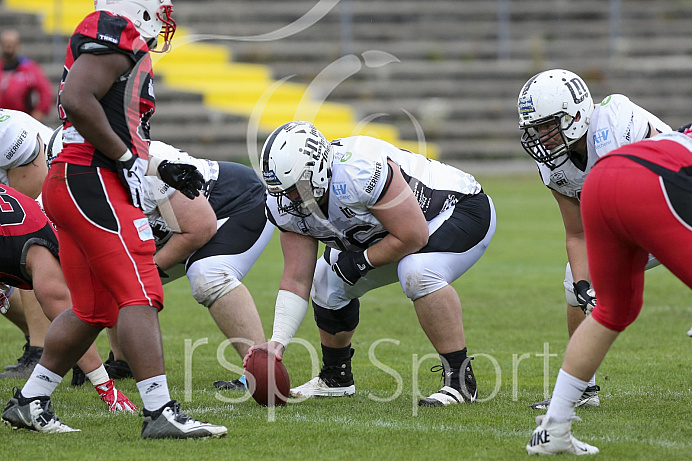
{"points": [[106, 244], [626, 216]]}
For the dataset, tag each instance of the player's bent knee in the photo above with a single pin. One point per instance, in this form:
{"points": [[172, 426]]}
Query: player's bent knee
{"points": [[419, 281], [336, 321], [208, 288]]}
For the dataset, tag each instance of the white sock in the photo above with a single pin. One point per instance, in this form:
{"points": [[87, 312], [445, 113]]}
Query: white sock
{"points": [[154, 392], [98, 376], [41, 382], [566, 394], [592, 381]]}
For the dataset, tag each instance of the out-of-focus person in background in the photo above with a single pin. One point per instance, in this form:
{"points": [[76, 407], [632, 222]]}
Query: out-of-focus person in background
{"points": [[23, 84]]}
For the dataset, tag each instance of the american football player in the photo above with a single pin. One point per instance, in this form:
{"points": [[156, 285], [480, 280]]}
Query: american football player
{"points": [[651, 178], [214, 240], [23, 167], [30, 261], [566, 134], [385, 215], [93, 194]]}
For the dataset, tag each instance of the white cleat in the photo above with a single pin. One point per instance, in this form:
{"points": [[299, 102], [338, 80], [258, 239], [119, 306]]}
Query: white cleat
{"points": [[551, 438], [316, 387], [445, 396]]}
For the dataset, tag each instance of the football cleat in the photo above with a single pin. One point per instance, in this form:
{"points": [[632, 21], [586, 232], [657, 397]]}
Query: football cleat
{"points": [[239, 384], [452, 392], [116, 400], [588, 399], [445, 396], [25, 364], [333, 381], [551, 438], [169, 422], [34, 414], [317, 387]]}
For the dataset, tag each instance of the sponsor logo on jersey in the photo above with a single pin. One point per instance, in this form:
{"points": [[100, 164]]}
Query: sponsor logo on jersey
{"points": [[346, 157], [340, 190], [107, 38], [526, 105], [16, 144], [450, 202], [4, 117], [602, 138], [143, 229], [606, 100], [559, 178], [375, 177], [270, 178]]}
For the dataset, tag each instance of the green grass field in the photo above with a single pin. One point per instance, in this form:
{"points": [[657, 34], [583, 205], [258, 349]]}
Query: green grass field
{"points": [[514, 314]]}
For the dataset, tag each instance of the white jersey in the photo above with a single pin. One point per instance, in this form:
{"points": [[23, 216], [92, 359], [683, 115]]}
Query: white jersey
{"points": [[158, 192], [615, 122], [18, 145], [360, 175]]}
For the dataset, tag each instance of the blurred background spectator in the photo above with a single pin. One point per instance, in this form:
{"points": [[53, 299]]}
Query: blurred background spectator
{"points": [[23, 84]]}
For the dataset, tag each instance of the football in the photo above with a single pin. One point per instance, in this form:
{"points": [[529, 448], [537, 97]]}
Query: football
{"points": [[267, 379]]}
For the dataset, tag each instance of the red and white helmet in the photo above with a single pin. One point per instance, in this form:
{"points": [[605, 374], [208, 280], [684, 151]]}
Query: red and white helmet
{"points": [[151, 17], [557, 98], [296, 156]]}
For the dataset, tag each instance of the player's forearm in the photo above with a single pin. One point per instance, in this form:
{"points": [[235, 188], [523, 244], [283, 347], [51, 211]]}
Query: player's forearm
{"points": [[576, 254], [178, 248], [391, 249], [89, 119]]}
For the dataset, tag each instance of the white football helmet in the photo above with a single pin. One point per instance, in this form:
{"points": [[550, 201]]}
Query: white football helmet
{"points": [[554, 102], [148, 16], [297, 157]]}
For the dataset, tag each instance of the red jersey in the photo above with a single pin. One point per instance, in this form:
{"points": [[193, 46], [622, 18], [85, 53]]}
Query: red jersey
{"points": [[25, 87], [22, 224], [130, 101]]}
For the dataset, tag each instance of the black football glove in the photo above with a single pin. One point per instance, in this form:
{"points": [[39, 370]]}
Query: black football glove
{"points": [[181, 176], [351, 266], [586, 296], [78, 376]]}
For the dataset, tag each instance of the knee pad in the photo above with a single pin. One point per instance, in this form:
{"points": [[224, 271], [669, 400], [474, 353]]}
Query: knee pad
{"points": [[335, 321], [207, 287], [418, 276]]}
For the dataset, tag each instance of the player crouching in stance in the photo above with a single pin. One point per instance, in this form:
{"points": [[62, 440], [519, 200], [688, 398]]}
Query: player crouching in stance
{"points": [[650, 178], [30, 261], [385, 215]]}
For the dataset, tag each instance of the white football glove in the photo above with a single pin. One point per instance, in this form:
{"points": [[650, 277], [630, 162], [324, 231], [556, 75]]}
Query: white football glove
{"points": [[132, 169]]}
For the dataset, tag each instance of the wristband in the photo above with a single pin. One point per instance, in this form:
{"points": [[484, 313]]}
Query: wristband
{"points": [[126, 156], [289, 313], [367, 260]]}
